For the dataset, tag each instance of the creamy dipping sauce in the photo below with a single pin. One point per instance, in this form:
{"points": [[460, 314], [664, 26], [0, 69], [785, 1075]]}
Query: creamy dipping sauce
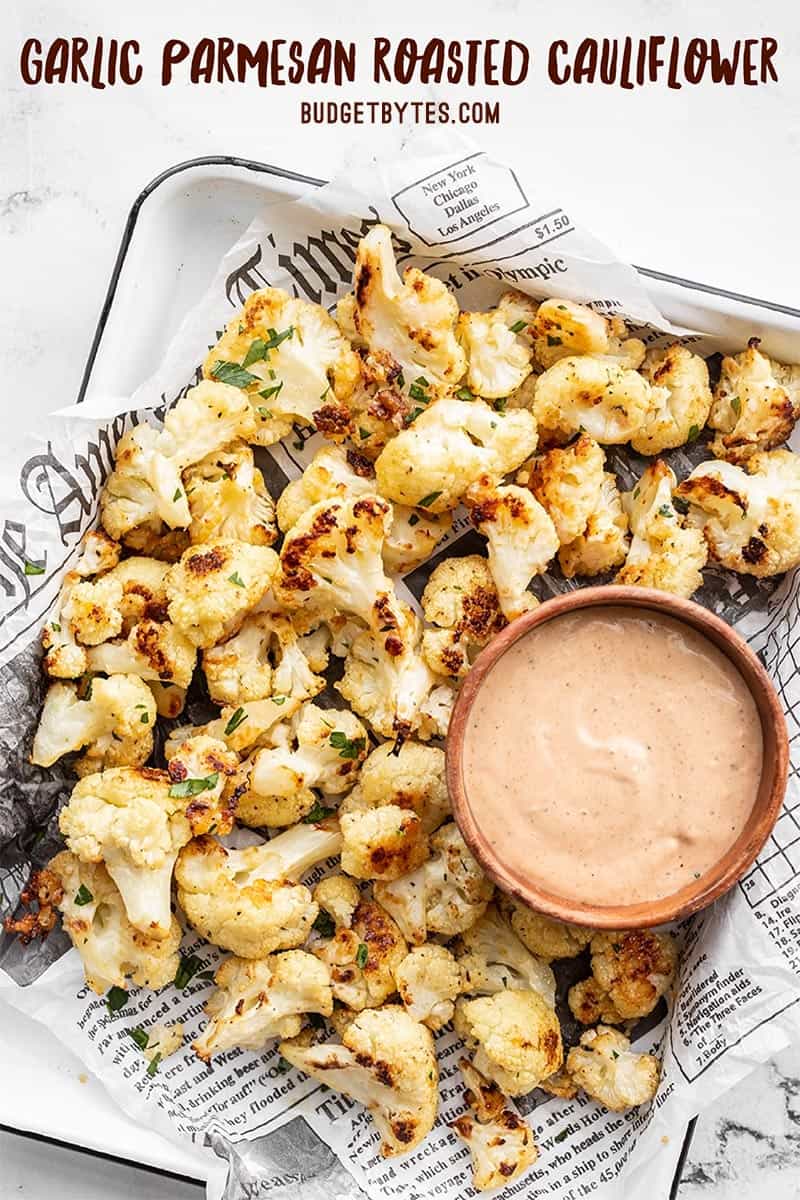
{"points": [[612, 755]]}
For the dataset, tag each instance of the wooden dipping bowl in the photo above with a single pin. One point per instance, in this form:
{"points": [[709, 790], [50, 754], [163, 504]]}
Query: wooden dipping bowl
{"points": [[733, 864]]}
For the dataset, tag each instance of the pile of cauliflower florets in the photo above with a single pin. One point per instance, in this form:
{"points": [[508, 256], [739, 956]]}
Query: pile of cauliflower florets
{"points": [[424, 409]]}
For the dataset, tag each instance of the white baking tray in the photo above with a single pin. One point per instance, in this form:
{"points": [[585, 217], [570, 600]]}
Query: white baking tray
{"points": [[177, 231]]}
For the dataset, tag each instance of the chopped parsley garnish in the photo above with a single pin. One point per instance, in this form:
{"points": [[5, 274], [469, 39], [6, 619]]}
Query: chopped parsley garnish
{"points": [[517, 327], [500, 405], [278, 700], [276, 338], [736, 405], [188, 967], [56, 628], [258, 349], [414, 519], [152, 1066], [324, 394], [140, 1036], [431, 498], [363, 433], [694, 431], [324, 924], [318, 813], [665, 511], [177, 495], [681, 505], [264, 413], [116, 998], [419, 389], [33, 569], [412, 416], [553, 341], [144, 719], [561, 1137], [233, 374], [347, 747], [236, 720], [465, 393], [193, 787], [282, 1065], [236, 578], [83, 896], [269, 392], [615, 1054], [362, 954]]}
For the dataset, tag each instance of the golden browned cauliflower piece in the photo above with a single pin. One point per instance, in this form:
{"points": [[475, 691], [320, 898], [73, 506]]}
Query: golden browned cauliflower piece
{"points": [[363, 953], [156, 651], [608, 1071], [492, 957], [515, 1036], [634, 968], [229, 499], [429, 980], [500, 1143], [387, 1062], [603, 544], [589, 1003], [593, 395], [214, 586], [382, 843], [563, 327], [408, 325], [498, 361], [460, 599], [264, 658], [291, 361], [409, 776], [662, 553], [756, 404], [567, 483], [544, 937], [111, 721], [680, 381], [522, 541], [750, 519]]}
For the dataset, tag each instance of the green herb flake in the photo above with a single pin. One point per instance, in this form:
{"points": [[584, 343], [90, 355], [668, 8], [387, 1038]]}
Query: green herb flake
{"points": [[258, 349], [693, 434], [116, 998], [233, 374], [33, 569], [665, 510], [324, 924], [237, 579], [152, 1066], [561, 1137], [615, 1054], [517, 327], [414, 519], [500, 405], [278, 700], [412, 416], [736, 405], [347, 747], [318, 813], [269, 392], [264, 413], [193, 787], [236, 720], [83, 896], [681, 505], [362, 954], [177, 495], [553, 341], [636, 491], [363, 433], [465, 393], [431, 498], [188, 967], [140, 1036], [418, 393], [325, 393], [144, 719], [282, 1065], [56, 628]]}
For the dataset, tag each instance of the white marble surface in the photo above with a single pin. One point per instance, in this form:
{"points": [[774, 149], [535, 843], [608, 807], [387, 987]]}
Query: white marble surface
{"points": [[701, 183]]}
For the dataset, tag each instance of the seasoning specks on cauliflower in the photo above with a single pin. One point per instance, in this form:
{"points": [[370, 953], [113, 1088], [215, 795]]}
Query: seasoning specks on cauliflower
{"points": [[229, 499], [756, 404], [409, 777], [153, 650], [382, 843], [387, 1062], [363, 952], [680, 382], [515, 1036], [568, 483], [429, 980], [609, 402], [114, 722], [215, 585], [662, 553], [562, 327], [634, 969], [608, 1071], [522, 541], [493, 958], [263, 659], [460, 599]]}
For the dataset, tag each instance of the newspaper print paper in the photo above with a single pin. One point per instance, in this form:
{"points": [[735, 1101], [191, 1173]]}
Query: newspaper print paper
{"points": [[737, 998]]}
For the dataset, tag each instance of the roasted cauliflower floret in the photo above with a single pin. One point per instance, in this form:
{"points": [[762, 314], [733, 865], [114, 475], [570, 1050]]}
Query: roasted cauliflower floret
{"points": [[291, 362], [603, 544], [750, 520], [498, 362], [522, 541], [519, 312], [500, 1143], [589, 1003], [242, 900], [562, 327], [387, 1062], [137, 820], [756, 404], [493, 958], [317, 748], [546, 938], [145, 493], [214, 586], [382, 843], [387, 681], [610, 1072], [408, 324], [662, 553], [680, 383], [263, 659], [409, 777], [86, 611], [158, 1042], [144, 597], [253, 1002], [446, 895], [515, 1037], [597, 396], [339, 897], [460, 598], [429, 980], [634, 969], [91, 610], [99, 553], [153, 650], [114, 722], [448, 448], [229, 499], [363, 954], [568, 484], [113, 951]]}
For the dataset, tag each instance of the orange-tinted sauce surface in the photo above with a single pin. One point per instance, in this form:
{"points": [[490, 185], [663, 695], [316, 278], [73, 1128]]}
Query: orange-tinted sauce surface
{"points": [[612, 755]]}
